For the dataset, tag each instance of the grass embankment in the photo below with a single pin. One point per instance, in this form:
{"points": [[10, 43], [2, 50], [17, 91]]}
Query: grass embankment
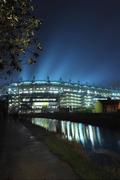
{"points": [[74, 155]]}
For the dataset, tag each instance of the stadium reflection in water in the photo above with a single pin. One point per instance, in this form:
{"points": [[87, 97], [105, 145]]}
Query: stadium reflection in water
{"points": [[91, 137]]}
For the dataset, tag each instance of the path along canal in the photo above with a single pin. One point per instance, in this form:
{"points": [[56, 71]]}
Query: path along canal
{"points": [[23, 157]]}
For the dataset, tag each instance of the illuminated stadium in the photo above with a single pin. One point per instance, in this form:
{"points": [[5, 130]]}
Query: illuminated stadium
{"points": [[52, 96]]}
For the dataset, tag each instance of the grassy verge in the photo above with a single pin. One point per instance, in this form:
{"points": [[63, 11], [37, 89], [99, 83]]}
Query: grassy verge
{"points": [[74, 155]]}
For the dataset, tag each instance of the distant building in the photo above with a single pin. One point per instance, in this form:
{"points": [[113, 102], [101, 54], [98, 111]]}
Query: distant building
{"points": [[107, 106], [50, 96]]}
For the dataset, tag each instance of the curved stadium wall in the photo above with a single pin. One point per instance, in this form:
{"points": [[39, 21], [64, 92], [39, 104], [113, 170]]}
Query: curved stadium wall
{"points": [[51, 96]]}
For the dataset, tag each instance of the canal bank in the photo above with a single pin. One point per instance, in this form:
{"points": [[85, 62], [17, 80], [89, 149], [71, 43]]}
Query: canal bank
{"points": [[23, 156], [31, 152], [74, 154]]}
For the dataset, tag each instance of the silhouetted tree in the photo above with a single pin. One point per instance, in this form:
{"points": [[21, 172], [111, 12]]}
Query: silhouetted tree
{"points": [[17, 30]]}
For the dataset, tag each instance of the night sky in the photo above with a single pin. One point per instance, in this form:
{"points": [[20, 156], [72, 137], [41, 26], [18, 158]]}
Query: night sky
{"points": [[81, 41]]}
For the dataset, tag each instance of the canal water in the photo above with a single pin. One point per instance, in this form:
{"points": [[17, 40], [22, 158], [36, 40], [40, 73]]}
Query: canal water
{"points": [[94, 139]]}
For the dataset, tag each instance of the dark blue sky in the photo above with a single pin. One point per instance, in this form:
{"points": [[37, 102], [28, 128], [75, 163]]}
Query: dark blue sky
{"points": [[81, 41]]}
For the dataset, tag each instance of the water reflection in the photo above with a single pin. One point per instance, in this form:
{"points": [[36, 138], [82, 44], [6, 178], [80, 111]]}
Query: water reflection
{"points": [[92, 138]]}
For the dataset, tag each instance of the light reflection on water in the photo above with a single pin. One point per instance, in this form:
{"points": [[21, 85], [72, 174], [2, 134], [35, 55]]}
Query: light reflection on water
{"points": [[91, 137]]}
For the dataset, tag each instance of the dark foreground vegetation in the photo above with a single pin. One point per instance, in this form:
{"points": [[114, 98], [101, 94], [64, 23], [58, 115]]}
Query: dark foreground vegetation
{"points": [[109, 120], [75, 155]]}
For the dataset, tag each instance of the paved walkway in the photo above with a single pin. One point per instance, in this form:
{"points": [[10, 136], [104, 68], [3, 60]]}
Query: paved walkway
{"points": [[23, 157]]}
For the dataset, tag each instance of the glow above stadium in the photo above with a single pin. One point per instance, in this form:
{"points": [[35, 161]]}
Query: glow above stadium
{"points": [[80, 42]]}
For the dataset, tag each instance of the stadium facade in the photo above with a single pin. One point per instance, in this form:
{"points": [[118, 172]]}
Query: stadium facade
{"points": [[51, 96]]}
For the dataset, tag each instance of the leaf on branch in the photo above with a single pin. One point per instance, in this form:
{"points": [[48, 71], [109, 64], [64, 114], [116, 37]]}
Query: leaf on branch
{"points": [[31, 61], [39, 46]]}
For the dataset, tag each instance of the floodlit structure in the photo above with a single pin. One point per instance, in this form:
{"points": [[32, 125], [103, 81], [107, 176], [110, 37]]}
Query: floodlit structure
{"points": [[51, 96]]}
